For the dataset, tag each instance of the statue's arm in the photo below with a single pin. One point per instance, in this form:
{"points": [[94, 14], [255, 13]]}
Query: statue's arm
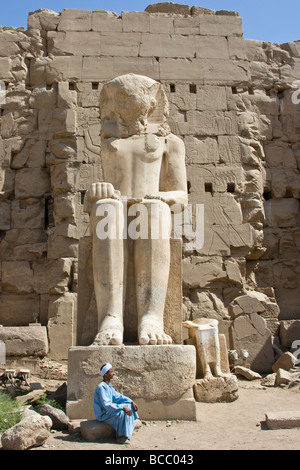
{"points": [[173, 183]]}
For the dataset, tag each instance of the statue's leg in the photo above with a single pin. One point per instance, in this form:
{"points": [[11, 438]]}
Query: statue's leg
{"points": [[152, 265], [106, 222]]}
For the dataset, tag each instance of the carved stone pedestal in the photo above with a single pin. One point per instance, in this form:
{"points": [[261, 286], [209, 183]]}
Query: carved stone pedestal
{"points": [[158, 378]]}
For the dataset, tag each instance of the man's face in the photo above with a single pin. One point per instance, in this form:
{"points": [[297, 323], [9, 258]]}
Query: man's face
{"points": [[110, 373]]}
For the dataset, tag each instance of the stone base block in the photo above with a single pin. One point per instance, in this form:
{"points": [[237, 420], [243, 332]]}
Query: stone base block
{"points": [[216, 389], [93, 430], [283, 420], [159, 379]]}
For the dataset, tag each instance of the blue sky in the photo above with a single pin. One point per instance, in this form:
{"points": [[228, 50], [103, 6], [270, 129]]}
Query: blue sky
{"points": [[266, 20]]}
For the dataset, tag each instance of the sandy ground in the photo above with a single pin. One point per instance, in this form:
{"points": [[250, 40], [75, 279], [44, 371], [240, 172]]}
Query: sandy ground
{"points": [[239, 425]]}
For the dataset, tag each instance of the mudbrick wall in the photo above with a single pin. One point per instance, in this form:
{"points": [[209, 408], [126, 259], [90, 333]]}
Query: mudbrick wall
{"points": [[232, 101]]}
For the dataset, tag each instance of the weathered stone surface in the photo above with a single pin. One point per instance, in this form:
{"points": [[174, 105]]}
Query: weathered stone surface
{"points": [[247, 373], [32, 431], [59, 419], [168, 363], [93, 430], [283, 377], [251, 333], [289, 332], [285, 362], [25, 340], [216, 389]]}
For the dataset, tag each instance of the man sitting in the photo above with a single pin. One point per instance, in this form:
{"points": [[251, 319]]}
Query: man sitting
{"points": [[114, 408]]}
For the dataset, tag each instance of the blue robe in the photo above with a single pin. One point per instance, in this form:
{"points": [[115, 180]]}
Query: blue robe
{"points": [[108, 407]]}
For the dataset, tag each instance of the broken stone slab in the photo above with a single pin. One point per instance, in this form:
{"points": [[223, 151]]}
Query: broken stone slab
{"points": [[59, 419], [250, 332], [31, 431], [30, 397], [247, 373], [283, 377], [283, 419], [286, 361], [216, 389]]}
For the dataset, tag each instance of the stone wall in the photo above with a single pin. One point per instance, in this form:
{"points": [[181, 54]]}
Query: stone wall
{"points": [[230, 101]]}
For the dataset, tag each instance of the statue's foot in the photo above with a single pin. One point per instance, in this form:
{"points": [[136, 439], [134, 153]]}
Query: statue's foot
{"points": [[219, 373], [110, 333], [151, 332]]}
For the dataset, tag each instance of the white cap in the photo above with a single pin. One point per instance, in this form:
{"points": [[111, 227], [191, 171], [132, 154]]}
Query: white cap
{"points": [[105, 369]]}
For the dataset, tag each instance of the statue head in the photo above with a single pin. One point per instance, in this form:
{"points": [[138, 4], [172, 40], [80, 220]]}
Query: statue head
{"points": [[133, 104]]}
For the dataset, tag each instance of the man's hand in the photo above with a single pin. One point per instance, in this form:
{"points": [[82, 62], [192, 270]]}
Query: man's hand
{"points": [[135, 407], [127, 410]]}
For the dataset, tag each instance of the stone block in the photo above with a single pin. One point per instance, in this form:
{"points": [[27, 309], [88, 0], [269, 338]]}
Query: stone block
{"points": [[62, 317], [5, 208], [97, 68], [188, 25], [18, 309], [25, 340], [5, 68], [166, 45], [211, 47], [75, 20], [120, 44], [237, 48], [211, 98], [225, 72], [136, 21], [169, 7], [251, 333], [43, 19], [23, 183], [139, 65], [247, 373], [181, 69], [93, 430], [28, 214], [286, 362], [106, 21], [9, 43], [162, 391], [221, 25], [216, 389], [17, 277], [282, 419], [282, 212], [283, 377], [74, 42], [200, 150], [161, 23], [289, 331]]}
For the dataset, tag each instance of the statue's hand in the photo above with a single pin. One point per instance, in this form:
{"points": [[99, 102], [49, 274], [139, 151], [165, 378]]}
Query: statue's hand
{"points": [[102, 190]]}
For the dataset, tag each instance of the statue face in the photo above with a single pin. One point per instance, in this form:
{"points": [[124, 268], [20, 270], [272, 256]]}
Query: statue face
{"points": [[129, 103]]}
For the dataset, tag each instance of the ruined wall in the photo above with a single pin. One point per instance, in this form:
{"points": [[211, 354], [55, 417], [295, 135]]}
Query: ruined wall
{"points": [[230, 101]]}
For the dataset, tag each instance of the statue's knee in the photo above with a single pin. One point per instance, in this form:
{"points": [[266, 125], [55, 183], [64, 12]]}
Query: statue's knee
{"points": [[111, 208]]}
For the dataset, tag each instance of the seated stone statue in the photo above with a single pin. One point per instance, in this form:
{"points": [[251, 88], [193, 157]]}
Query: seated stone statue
{"points": [[144, 173]]}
